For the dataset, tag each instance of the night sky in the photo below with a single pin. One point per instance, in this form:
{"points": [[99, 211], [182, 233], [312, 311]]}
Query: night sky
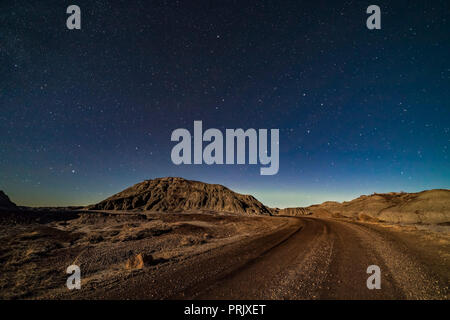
{"points": [[86, 113]]}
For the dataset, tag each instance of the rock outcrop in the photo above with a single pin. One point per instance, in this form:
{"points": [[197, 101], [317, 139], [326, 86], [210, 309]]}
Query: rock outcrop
{"points": [[139, 261], [5, 202], [297, 211], [181, 195], [429, 207]]}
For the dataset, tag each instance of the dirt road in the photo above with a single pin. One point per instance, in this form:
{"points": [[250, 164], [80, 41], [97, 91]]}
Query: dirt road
{"points": [[309, 258]]}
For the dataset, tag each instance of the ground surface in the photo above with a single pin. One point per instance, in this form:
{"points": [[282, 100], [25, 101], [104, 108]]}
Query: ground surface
{"points": [[311, 259], [200, 256]]}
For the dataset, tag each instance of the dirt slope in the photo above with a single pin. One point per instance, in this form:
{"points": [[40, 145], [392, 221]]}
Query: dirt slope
{"points": [[427, 207], [178, 194], [430, 207]]}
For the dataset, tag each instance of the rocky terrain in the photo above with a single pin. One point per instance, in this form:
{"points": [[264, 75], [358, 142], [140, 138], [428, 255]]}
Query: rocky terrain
{"points": [[426, 207], [181, 195], [5, 202], [175, 238], [108, 247]]}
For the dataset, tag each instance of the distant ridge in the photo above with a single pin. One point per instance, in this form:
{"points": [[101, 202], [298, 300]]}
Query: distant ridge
{"points": [[177, 194], [297, 211], [429, 207], [173, 194]]}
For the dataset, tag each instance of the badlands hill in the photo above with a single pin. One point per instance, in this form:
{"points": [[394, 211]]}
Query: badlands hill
{"points": [[298, 211], [428, 207], [5, 203], [178, 195]]}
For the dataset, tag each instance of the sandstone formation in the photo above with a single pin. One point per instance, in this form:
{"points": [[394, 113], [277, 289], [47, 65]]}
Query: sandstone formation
{"points": [[298, 211], [427, 207], [139, 261], [181, 195]]}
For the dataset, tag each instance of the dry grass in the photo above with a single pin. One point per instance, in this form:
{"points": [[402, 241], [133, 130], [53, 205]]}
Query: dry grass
{"points": [[109, 246]]}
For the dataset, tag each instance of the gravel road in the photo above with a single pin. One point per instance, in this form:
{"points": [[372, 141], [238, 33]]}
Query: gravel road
{"points": [[309, 258]]}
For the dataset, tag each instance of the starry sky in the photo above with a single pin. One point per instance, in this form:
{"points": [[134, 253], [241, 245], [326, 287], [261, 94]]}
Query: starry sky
{"points": [[86, 113]]}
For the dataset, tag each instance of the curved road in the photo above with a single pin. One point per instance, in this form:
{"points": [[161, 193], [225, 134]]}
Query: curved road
{"points": [[310, 258]]}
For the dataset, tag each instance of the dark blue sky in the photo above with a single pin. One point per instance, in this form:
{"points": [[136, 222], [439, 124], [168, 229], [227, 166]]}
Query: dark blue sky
{"points": [[86, 113]]}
